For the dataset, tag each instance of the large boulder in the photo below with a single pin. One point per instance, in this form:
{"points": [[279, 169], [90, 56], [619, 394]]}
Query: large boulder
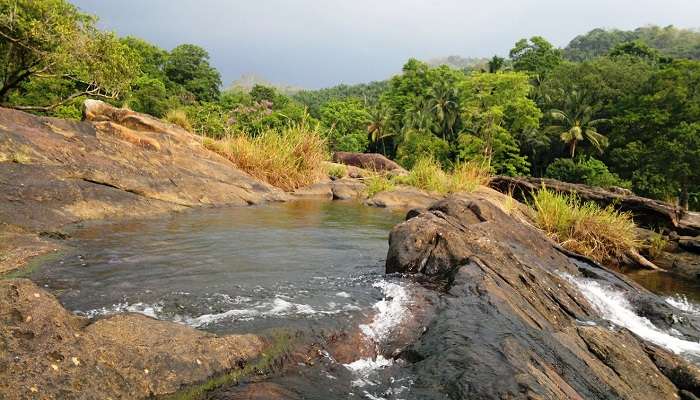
{"points": [[48, 353], [371, 161], [649, 213], [513, 322]]}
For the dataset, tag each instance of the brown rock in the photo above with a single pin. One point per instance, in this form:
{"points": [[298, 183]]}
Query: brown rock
{"points": [[49, 353], [345, 189], [318, 189], [371, 161], [403, 197]]}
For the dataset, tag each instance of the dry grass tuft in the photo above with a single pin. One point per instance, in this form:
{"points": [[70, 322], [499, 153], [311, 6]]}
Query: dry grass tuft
{"points": [[288, 159], [179, 117], [602, 234]]}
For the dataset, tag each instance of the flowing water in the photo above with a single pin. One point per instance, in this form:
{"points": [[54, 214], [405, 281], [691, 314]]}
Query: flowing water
{"points": [[310, 266]]}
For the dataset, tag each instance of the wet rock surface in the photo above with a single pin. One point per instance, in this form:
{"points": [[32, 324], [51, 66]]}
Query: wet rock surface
{"points": [[512, 322], [48, 353], [403, 197]]}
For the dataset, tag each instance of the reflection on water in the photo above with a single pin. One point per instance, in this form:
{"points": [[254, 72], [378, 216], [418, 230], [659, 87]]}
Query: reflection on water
{"points": [[666, 284]]}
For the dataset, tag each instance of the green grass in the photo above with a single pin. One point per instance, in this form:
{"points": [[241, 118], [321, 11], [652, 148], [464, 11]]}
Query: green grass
{"points": [[337, 171], [288, 159], [280, 347], [377, 184], [428, 175], [657, 243], [602, 234]]}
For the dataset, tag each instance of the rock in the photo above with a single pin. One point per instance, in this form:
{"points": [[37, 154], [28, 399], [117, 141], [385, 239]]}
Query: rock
{"points": [[691, 244], [403, 197], [118, 163], [345, 189], [511, 322], [371, 161], [49, 353], [648, 213], [318, 189]]}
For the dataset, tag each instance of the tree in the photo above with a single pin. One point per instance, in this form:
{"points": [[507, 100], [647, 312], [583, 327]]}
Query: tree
{"points": [[149, 96], [378, 127], [496, 63], [443, 102], [347, 122], [51, 40], [661, 133], [576, 122], [536, 56], [188, 65]]}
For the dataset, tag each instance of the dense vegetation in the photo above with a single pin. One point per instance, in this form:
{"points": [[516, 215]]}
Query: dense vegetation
{"points": [[612, 108]]}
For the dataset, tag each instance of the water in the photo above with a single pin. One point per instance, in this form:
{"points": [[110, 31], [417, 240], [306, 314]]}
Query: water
{"points": [[308, 266], [230, 270]]}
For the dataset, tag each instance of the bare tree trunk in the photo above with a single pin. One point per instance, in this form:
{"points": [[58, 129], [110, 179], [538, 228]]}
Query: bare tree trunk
{"points": [[573, 148]]}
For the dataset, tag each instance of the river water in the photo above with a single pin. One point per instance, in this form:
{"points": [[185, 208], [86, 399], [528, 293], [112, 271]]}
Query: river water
{"points": [[311, 266]]}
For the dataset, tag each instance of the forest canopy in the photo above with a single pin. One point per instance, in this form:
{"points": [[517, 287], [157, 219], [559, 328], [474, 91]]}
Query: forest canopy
{"points": [[612, 108]]}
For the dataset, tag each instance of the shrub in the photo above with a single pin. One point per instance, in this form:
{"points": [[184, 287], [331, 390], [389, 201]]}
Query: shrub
{"points": [[377, 184], [289, 158], [179, 118], [337, 171], [417, 145], [602, 234], [584, 170], [656, 245]]}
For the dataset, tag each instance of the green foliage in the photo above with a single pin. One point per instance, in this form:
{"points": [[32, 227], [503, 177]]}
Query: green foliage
{"points": [[369, 93], [50, 43], [536, 56], [347, 122], [584, 170], [149, 96], [337, 171], [669, 41], [377, 184], [418, 145], [188, 65]]}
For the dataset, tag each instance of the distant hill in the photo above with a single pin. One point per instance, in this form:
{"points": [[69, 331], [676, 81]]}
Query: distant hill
{"points": [[459, 62], [670, 41], [246, 82]]}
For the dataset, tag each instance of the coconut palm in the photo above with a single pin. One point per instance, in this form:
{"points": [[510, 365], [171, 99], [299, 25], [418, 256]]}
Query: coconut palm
{"points": [[576, 123], [443, 102], [378, 127]]}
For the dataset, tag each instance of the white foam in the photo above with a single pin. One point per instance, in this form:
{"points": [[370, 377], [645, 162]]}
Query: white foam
{"points": [[682, 303], [343, 294], [613, 306], [278, 307], [391, 311], [151, 310]]}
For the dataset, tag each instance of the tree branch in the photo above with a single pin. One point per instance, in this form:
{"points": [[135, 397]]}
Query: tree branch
{"points": [[89, 92]]}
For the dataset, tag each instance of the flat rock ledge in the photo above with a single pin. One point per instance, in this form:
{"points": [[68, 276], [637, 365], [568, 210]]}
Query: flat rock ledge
{"points": [[512, 324], [48, 353]]}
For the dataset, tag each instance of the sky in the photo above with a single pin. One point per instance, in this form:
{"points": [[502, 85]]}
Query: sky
{"points": [[321, 43]]}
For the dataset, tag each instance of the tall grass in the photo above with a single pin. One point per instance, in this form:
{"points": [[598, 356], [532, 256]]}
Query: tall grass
{"points": [[179, 118], [602, 234], [288, 158], [427, 174]]}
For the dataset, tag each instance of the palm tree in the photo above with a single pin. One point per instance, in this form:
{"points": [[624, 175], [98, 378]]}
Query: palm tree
{"points": [[443, 103], [378, 128], [576, 122]]}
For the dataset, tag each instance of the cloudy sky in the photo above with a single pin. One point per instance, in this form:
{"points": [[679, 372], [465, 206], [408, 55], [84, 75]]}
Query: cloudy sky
{"points": [[318, 43]]}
